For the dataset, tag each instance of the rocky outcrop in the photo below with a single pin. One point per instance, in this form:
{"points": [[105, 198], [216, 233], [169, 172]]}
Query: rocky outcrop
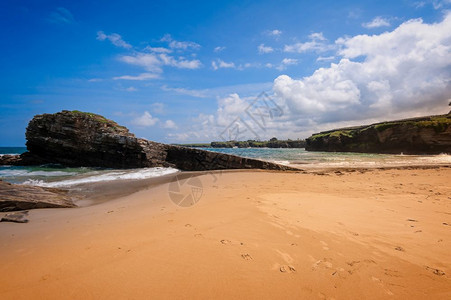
{"points": [[199, 160], [74, 138], [426, 135], [273, 143], [21, 197]]}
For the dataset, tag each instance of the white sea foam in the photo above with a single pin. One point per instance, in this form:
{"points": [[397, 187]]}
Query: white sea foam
{"points": [[109, 176], [281, 162], [21, 173]]}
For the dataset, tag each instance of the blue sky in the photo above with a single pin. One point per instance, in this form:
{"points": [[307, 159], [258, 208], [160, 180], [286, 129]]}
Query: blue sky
{"points": [[184, 71]]}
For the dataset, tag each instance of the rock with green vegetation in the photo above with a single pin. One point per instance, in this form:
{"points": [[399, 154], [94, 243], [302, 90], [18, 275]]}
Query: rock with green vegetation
{"points": [[272, 143], [75, 138], [425, 135], [79, 139]]}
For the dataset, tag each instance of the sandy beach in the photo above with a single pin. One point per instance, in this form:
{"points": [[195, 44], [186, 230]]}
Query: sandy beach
{"points": [[368, 234]]}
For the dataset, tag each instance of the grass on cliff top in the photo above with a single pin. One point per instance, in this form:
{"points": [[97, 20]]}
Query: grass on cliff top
{"points": [[101, 119], [438, 123]]}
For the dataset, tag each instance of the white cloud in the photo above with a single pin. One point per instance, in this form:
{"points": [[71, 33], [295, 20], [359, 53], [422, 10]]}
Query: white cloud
{"points": [[274, 32], [402, 73], [146, 120], [142, 76], [114, 38], [377, 22], [169, 124], [219, 64], [419, 4], [180, 63], [317, 36], [317, 43], [131, 89], [438, 4], [153, 62], [61, 15], [229, 108], [148, 61], [325, 58], [158, 49], [218, 49], [179, 45], [287, 62], [264, 49], [183, 91]]}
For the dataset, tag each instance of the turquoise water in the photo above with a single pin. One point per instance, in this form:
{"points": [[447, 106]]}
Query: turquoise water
{"points": [[12, 150], [63, 177], [307, 159], [58, 176]]}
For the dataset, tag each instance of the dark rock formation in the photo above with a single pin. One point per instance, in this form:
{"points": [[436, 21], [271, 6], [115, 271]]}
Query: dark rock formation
{"points": [[273, 143], [74, 138], [20, 197], [426, 135], [16, 217], [199, 160]]}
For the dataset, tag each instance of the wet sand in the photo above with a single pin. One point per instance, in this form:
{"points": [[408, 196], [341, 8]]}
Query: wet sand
{"points": [[374, 234]]}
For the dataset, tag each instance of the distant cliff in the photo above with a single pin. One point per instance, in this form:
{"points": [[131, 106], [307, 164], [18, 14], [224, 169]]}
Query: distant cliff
{"points": [[425, 135], [272, 143], [80, 139]]}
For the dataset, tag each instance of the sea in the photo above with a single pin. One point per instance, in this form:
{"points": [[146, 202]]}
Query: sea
{"points": [[63, 177]]}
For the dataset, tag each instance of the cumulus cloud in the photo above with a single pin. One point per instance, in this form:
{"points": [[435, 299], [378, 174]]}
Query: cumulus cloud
{"points": [[169, 124], [377, 22], [402, 73], [114, 38], [148, 61], [153, 62], [264, 49], [146, 120], [274, 32], [178, 44], [317, 42], [287, 62], [220, 64]]}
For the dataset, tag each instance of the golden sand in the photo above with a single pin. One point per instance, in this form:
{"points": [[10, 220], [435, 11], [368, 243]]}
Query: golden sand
{"points": [[380, 234]]}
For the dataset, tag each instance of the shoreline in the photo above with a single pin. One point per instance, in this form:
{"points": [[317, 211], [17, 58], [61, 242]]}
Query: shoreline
{"points": [[371, 234]]}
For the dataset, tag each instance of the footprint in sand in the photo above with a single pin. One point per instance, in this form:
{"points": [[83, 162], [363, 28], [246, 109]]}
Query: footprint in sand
{"points": [[412, 220], [325, 245], [435, 271], [246, 256], [225, 242], [198, 235], [400, 249], [287, 269], [188, 225]]}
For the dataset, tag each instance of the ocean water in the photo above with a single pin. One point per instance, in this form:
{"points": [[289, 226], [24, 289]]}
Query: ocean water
{"points": [[62, 177], [58, 176], [311, 160]]}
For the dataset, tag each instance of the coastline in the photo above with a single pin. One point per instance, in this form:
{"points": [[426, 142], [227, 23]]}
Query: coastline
{"points": [[371, 233]]}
